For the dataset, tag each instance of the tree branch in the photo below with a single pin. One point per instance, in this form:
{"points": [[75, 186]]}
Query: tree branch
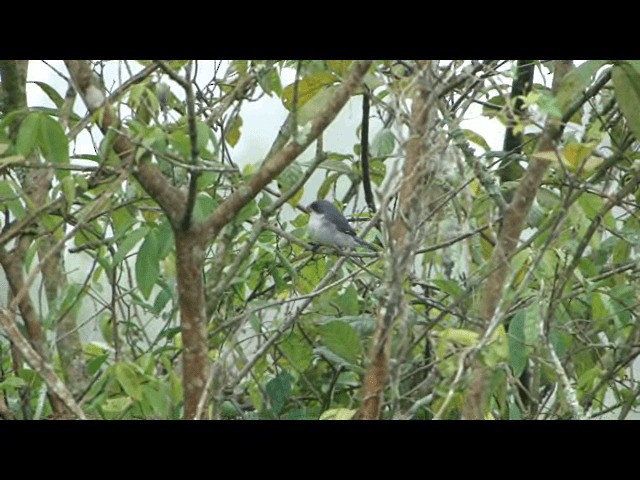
{"points": [[274, 165], [404, 231], [42, 367], [170, 198], [515, 216], [364, 154]]}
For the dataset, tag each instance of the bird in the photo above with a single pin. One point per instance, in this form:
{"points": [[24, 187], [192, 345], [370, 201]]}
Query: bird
{"points": [[329, 227]]}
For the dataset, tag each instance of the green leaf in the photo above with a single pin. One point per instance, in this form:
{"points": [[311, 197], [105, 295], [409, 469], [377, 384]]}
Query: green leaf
{"points": [[203, 134], [161, 300], [69, 189], [342, 339], [247, 212], [12, 383], [626, 84], [128, 380], [180, 144], [269, 80], [72, 299], [325, 187], [288, 178], [279, 391], [497, 101], [601, 307], [308, 88], [518, 350], [377, 171], [298, 351], [591, 204], [165, 239], [530, 327], [158, 400], [383, 143], [338, 164], [122, 221], [460, 336], [514, 411], [203, 207], [284, 261], [364, 324], [448, 286], [54, 142], [28, 134], [94, 363], [347, 302], [476, 138], [53, 95], [549, 104], [577, 81], [128, 243], [335, 359], [310, 275], [116, 405], [148, 264], [11, 199]]}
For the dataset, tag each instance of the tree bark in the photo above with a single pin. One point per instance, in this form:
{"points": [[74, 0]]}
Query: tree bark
{"points": [[192, 240], [36, 184], [412, 199], [514, 219]]}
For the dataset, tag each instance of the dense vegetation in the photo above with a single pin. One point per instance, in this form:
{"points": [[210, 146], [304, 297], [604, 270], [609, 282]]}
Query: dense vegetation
{"points": [[148, 272]]}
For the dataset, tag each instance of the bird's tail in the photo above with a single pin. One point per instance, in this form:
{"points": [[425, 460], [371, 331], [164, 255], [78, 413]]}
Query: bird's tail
{"points": [[365, 244]]}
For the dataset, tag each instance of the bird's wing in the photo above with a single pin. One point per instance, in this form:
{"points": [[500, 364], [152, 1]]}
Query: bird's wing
{"points": [[343, 226]]}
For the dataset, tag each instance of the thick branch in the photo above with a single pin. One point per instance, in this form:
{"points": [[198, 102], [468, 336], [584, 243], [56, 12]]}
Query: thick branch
{"points": [[522, 83], [402, 249], [514, 219], [170, 198], [190, 247]]}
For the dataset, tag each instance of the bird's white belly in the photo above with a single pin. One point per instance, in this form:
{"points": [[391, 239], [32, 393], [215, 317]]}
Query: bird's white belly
{"points": [[325, 233]]}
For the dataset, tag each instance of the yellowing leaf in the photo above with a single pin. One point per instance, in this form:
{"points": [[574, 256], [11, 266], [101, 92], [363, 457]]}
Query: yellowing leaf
{"points": [[591, 165], [549, 155], [531, 99], [474, 187], [626, 84], [338, 414], [575, 153], [232, 135], [459, 335], [340, 67], [308, 87]]}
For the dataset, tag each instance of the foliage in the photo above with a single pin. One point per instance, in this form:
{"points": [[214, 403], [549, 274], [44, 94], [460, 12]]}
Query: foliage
{"points": [[275, 356]]}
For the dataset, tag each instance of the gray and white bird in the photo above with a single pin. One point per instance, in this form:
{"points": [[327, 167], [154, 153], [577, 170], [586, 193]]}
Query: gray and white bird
{"points": [[329, 227]]}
